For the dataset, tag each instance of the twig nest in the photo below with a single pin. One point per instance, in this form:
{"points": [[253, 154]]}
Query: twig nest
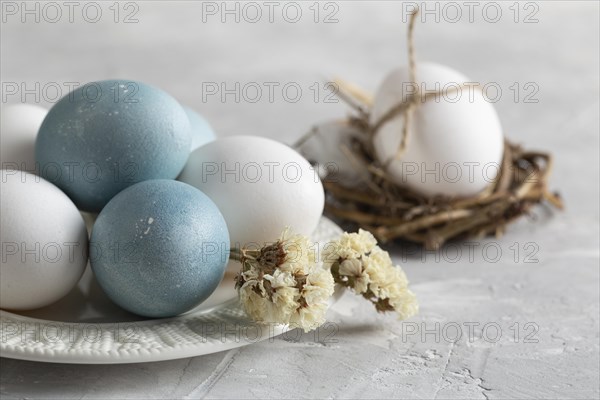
{"points": [[454, 141], [392, 211]]}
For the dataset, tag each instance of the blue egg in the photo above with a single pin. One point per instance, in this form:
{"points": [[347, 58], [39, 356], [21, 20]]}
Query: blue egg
{"points": [[106, 136], [202, 132], [159, 248]]}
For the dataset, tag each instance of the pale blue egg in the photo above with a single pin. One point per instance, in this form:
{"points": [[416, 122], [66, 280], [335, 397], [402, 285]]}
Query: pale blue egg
{"points": [[202, 132], [159, 248], [108, 135]]}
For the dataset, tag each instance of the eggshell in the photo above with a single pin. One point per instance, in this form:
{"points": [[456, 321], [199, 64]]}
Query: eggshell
{"points": [[455, 143], [106, 136], [44, 242], [159, 248], [19, 127], [261, 186], [201, 130], [323, 149]]}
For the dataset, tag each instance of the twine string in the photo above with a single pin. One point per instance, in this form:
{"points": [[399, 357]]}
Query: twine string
{"points": [[407, 106]]}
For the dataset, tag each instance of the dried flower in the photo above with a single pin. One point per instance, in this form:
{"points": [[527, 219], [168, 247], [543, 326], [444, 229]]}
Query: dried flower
{"points": [[283, 283], [358, 263]]}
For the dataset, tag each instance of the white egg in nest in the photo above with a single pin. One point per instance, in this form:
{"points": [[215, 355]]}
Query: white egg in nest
{"points": [[455, 140]]}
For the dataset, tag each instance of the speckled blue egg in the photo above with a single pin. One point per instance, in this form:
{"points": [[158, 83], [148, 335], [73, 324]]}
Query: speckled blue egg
{"points": [[202, 132], [159, 248], [106, 136]]}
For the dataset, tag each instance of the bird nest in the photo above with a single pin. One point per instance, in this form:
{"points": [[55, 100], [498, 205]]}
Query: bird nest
{"points": [[394, 212]]}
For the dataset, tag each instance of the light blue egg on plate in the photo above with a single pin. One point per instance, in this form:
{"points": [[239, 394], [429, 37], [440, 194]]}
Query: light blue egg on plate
{"points": [[202, 132], [159, 248], [108, 135]]}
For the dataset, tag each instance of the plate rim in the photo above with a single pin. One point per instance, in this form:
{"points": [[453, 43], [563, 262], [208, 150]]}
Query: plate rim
{"points": [[73, 355]]}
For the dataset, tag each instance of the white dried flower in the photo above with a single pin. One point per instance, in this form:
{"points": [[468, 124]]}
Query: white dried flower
{"points": [[315, 295], [281, 283], [389, 283], [298, 253], [349, 246], [358, 263], [354, 271]]}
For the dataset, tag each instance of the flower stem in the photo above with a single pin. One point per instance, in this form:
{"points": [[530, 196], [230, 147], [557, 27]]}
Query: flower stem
{"points": [[236, 254]]}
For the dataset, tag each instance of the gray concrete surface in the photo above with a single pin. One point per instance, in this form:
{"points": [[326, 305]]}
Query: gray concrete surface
{"points": [[533, 312]]}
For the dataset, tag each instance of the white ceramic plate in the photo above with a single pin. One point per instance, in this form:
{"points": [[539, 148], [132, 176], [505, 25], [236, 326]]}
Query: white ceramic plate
{"points": [[86, 327]]}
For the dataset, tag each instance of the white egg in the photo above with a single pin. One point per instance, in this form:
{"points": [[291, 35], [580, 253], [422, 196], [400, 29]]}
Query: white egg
{"points": [[261, 187], [18, 129], [44, 242], [455, 142], [323, 148]]}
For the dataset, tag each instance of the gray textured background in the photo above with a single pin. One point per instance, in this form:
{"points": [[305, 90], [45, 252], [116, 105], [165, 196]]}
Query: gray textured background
{"points": [[172, 47]]}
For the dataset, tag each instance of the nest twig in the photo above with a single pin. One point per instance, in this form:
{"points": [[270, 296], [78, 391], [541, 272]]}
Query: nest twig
{"points": [[391, 211]]}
